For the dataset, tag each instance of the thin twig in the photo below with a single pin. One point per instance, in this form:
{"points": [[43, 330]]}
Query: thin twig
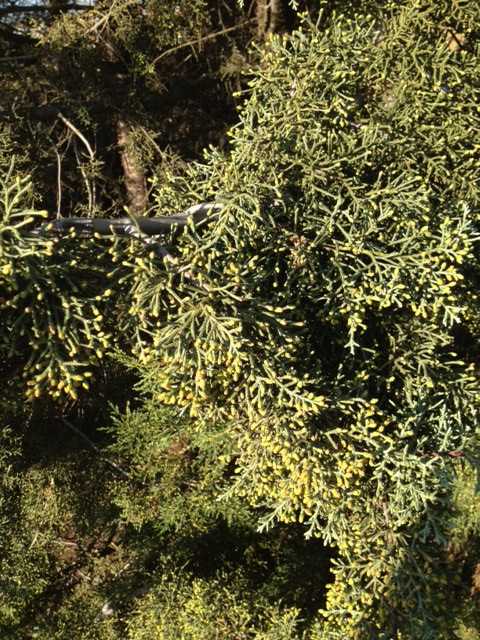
{"points": [[210, 36], [85, 178], [108, 15], [66, 543], [90, 183], [59, 183], [73, 128], [152, 140], [115, 466]]}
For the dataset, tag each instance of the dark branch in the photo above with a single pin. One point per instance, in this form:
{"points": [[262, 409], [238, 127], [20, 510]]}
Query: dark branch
{"points": [[7, 32], [27, 59], [42, 9], [82, 435]]}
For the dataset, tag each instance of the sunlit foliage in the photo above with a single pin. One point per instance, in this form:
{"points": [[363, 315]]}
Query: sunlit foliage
{"points": [[308, 358], [330, 314]]}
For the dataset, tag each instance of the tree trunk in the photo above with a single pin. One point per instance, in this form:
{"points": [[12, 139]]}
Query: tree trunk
{"points": [[270, 16], [133, 172]]}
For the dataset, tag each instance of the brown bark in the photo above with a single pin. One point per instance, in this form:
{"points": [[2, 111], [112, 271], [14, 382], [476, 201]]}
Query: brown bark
{"points": [[270, 16], [133, 172]]}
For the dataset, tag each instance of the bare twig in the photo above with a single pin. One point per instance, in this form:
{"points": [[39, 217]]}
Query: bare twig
{"points": [[79, 134], [107, 16], [152, 140], [89, 182], [59, 183], [190, 43], [115, 466], [66, 543], [88, 186]]}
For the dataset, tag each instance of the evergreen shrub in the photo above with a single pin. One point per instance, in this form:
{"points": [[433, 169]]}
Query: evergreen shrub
{"points": [[329, 315], [201, 609], [327, 319]]}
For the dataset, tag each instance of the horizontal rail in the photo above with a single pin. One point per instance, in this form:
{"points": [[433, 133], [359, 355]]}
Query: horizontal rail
{"points": [[148, 230]]}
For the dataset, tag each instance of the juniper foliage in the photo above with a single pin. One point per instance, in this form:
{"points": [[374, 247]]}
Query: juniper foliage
{"points": [[317, 342], [330, 315]]}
